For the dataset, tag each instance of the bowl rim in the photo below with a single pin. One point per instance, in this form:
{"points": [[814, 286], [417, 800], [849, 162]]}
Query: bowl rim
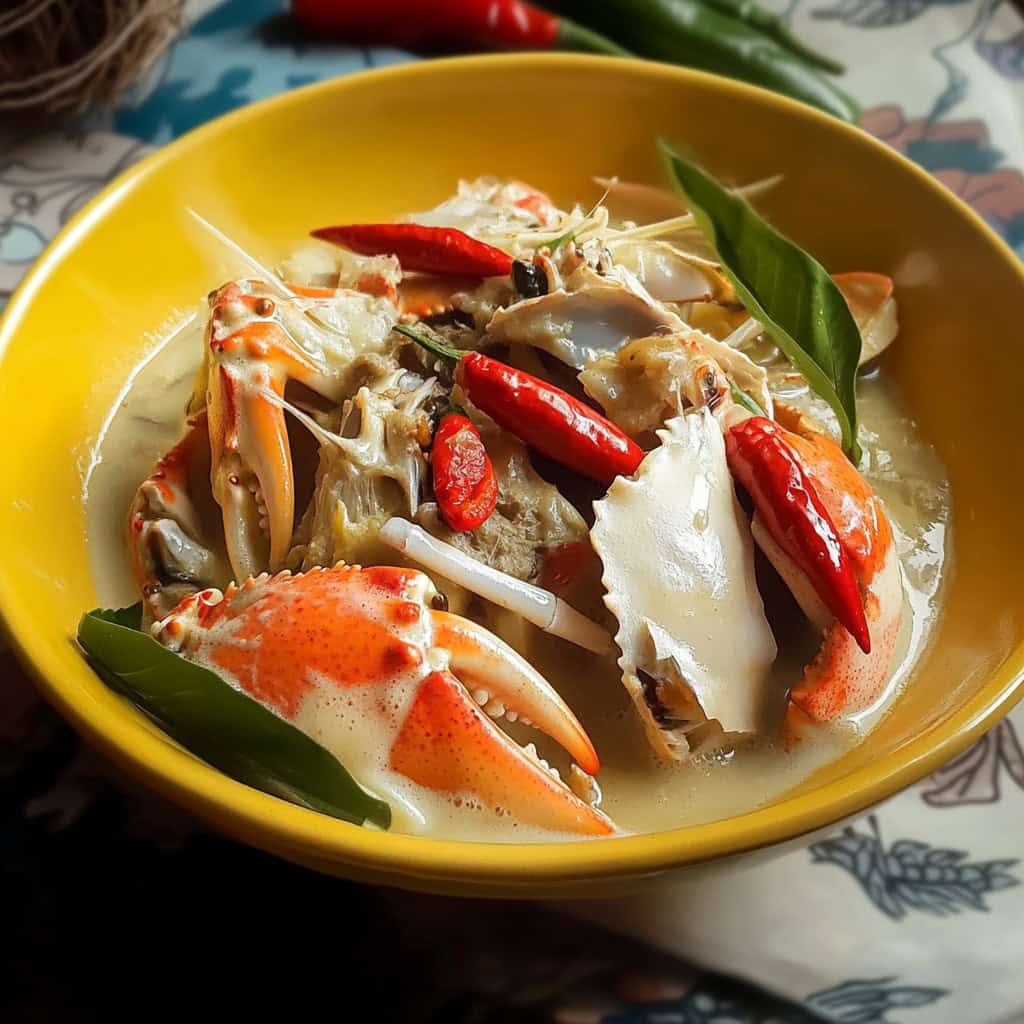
{"points": [[185, 779]]}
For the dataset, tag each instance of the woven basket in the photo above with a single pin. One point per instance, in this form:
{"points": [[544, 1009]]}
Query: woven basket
{"points": [[63, 56]]}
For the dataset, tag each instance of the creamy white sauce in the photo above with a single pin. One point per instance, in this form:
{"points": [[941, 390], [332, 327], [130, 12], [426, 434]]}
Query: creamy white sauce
{"points": [[639, 793]]}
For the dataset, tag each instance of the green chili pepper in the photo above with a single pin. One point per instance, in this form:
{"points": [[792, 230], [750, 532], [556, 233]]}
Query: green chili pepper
{"points": [[775, 28], [692, 33]]}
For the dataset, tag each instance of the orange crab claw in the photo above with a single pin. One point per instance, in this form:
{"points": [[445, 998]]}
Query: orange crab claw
{"points": [[356, 656], [842, 678], [482, 761], [260, 337], [251, 360], [507, 683]]}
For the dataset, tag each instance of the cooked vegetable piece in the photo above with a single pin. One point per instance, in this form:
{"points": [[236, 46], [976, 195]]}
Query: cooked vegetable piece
{"points": [[783, 287], [464, 483], [787, 501], [545, 417], [421, 247], [535, 604], [219, 723]]}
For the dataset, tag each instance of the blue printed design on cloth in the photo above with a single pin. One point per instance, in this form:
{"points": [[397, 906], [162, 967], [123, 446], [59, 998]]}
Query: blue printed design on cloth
{"points": [[912, 875], [1005, 55], [877, 13], [976, 776], [197, 83], [720, 1000]]}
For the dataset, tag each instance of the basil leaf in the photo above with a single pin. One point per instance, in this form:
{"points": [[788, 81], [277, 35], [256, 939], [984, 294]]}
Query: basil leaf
{"points": [[223, 726], [785, 288], [130, 617]]}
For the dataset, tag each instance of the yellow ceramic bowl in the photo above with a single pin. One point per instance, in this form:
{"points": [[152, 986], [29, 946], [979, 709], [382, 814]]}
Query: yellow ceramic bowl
{"points": [[369, 146]]}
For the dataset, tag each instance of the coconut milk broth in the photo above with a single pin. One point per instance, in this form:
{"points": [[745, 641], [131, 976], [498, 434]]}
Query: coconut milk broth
{"points": [[639, 794]]}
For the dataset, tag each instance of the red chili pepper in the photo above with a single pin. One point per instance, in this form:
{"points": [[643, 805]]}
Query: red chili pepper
{"points": [[489, 24], [541, 415], [464, 482], [418, 247], [762, 460]]}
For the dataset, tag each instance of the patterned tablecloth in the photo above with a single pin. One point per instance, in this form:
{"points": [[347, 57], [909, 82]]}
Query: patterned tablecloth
{"points": [[112, 899]]}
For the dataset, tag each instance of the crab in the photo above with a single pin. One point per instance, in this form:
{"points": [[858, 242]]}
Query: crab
{"points": [[364, 660], [696, 596], [402, 693], [842, 678], [220, 505]]}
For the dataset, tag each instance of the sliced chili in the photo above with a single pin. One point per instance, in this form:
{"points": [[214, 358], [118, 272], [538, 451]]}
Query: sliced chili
{"points": [[543, 416], [464, 483]]}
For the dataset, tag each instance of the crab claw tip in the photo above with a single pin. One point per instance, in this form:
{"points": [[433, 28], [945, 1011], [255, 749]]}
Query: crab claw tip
{"points": [[480, 659]]}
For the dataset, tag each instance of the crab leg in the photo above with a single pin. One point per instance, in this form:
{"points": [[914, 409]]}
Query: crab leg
{"points": [[842, 678], [761, 457], [504, 682], [251, 472], [169, 559], [483, 761]]}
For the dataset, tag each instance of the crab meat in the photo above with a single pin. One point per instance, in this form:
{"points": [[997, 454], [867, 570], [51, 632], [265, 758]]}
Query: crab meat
{"points": [[371, 467], [671, 275], [330, 268], [696, 646], [358, 660], [257, 341], [590, 316], [168, 542], [649, 380]]}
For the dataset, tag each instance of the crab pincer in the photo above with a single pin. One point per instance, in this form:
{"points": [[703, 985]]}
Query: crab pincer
{"points": [[852, 666], [258, 339], [762, 459], [400, 692]]}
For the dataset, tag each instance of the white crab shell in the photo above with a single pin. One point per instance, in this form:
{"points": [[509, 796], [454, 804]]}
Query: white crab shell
{"points": [[679, 577]]}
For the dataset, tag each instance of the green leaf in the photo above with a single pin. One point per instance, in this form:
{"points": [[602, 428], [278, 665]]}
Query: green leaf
{"points": [[783, 287], [218, 723], [130, 617], [740, 397]]}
